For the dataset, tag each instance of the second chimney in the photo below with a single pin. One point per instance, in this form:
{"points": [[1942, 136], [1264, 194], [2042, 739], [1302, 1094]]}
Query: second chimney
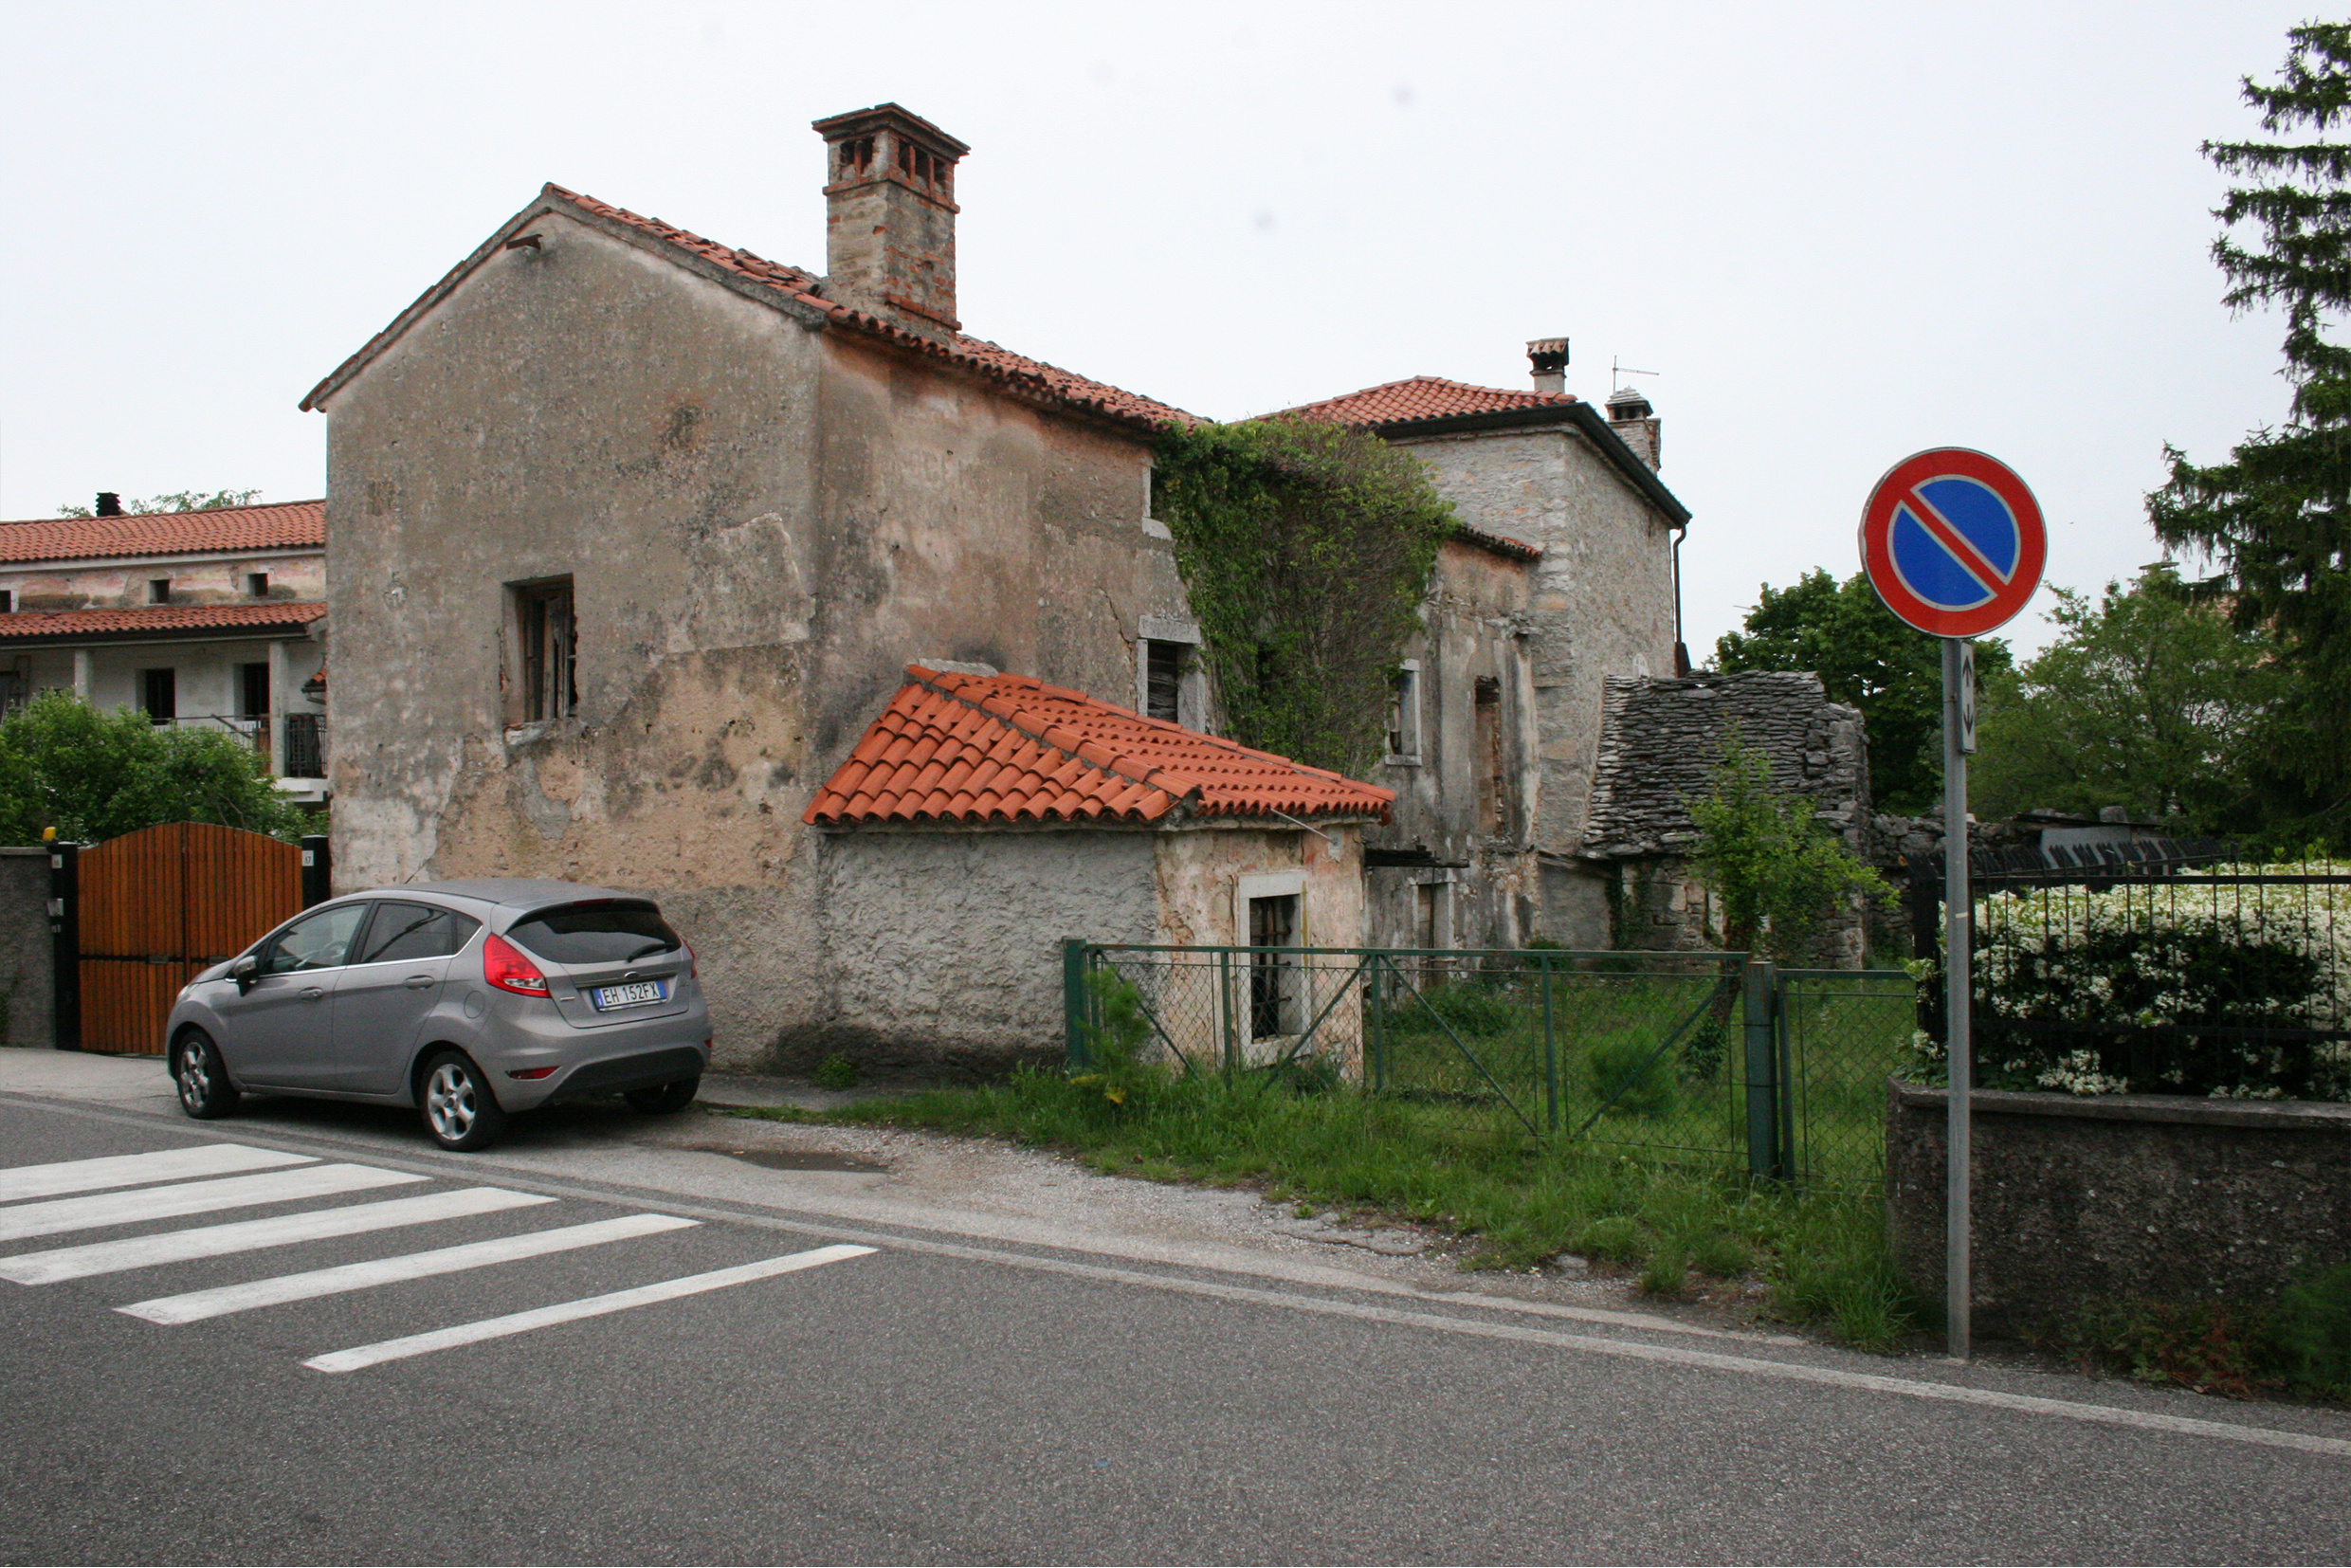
{"points": [[1631, 416], [109, 505], [890, 217]]}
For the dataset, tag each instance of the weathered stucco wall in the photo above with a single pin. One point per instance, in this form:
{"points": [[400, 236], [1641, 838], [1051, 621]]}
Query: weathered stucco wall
{"points": [[763, 523], [27, 976], [2081, 1201], [1197, 870], [293, 576], [946, 944]]}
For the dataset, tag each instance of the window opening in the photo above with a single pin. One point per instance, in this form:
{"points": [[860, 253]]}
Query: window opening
{"points": [[1491, 793], [1404, 711], [253, 692], [158, 591], [159, 694], [1273, 923], [8, 602], [256, 584], [1163, 679], [550, 639]]}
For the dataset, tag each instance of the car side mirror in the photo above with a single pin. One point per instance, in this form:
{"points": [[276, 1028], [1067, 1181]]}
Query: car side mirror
{"points": [[243, 972]]}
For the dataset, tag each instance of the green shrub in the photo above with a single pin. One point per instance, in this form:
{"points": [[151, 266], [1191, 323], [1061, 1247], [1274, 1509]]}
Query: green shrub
{"points": [[836, 1072]]}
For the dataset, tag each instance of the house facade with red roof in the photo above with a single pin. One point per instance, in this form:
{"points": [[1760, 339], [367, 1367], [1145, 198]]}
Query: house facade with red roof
{"points": [[633, 533], [1560, 576], [212, 619]]}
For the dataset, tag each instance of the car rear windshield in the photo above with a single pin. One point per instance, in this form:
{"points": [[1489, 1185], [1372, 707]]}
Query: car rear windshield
{"points": [[600, 932]]}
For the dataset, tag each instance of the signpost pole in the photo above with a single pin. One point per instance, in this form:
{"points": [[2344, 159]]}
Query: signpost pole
{"points": [[1958, 986]]}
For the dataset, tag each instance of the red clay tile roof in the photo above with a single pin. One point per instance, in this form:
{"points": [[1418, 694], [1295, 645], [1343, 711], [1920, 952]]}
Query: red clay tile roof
{"points": [[1423, 397], [1031, 380], [1501, 544], [1006, 749], [168, 619], [290, 524]]}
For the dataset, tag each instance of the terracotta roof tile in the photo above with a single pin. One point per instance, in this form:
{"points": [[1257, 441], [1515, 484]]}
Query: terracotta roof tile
{"points": [[1032, 379], [159, 618], [1422, 397], [286, 525], [1005, 748]]}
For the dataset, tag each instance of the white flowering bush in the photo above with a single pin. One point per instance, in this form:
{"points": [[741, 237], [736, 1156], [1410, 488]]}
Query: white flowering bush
{"points": [[2103, 991]]}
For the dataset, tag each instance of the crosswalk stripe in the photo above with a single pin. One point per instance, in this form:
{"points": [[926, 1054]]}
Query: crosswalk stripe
{"points": [[89, 1176], [191, 1197], [564, 1312], [210, 1241], [413, 1266]]}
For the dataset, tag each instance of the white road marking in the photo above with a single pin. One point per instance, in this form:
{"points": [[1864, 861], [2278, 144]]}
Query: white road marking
{"points": [[210, 1241], [90, 1176], [192, 1197], [413, 1266], [588, 1307]]}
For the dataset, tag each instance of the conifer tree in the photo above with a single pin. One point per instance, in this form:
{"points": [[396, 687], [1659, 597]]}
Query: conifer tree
{"points": [[2277, 515]]}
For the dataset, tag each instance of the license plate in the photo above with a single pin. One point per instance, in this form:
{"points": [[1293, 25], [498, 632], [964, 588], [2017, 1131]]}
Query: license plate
{"points": [[626, 995]]}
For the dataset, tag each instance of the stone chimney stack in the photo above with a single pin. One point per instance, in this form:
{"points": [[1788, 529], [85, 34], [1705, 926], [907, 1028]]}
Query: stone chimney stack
{"points": [[1548, 355], [890, 216], [1631, 416]]}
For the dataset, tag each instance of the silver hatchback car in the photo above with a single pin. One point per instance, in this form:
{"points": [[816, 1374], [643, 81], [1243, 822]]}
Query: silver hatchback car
{"points": [[468, 1000]]}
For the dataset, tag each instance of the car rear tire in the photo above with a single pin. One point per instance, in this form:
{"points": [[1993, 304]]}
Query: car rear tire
{"points": [[454, 1098], [664, 1099], [204, 1091]]}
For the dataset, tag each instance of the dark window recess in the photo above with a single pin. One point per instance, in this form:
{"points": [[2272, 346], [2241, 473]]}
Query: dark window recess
{"points": [[159, 694], [256, 584], [1427, 933], [1163, 679], [1492, 794], [305, 745], [160, 591], [8, 602], [550, 639], [1273, 923], [408, 933], [253, 692], [605, 932]]}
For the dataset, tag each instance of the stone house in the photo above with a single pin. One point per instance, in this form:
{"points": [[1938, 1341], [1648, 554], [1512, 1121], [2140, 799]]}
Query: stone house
{"points": [[635, 533], [981, 819], [212, 619], [1561, 576], [1661, 743]]}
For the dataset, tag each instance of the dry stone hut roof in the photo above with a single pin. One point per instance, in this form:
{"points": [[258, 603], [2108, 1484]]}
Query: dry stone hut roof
{"points": [[1660, 740]]}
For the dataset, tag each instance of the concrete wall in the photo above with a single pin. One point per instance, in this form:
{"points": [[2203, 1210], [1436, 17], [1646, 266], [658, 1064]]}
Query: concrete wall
{"points": [[763, 525], [26, 973], [205, 679], [2080, 1201]]}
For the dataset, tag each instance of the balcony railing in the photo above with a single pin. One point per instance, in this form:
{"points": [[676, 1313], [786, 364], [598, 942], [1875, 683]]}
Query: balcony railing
{"points": [[306, 736]]}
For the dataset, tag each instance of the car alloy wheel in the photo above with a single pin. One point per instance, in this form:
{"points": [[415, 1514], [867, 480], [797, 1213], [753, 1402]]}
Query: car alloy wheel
{"points": [[459, 1111], [204, 1091]]}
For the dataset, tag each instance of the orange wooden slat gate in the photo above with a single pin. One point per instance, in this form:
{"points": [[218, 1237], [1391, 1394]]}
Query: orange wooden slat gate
{"points": [[160, 905]]}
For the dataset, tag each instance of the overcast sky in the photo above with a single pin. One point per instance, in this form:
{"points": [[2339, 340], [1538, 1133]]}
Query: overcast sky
{"points": [[1840, 233]]}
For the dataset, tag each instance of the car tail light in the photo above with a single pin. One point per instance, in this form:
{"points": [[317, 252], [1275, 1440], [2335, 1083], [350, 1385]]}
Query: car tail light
{"points": [[505, 966], [693, 965], [529, 1072]]}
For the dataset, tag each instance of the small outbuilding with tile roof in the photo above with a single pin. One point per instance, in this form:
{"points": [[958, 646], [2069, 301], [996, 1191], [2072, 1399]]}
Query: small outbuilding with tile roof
{"points": [[981, 820]]}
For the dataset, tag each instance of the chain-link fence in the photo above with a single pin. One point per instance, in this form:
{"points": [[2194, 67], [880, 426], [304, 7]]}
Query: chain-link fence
{"points": [[1671, 1054]]}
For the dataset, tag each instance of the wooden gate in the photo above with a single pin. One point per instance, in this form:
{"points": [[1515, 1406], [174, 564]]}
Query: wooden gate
{"points": [[158, 905]]}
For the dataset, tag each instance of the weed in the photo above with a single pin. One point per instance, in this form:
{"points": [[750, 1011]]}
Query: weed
{"points": [[1626, 1065], [1615, 1239], [2314, 1333], [1722, 1255], [836, 1072], [1667, 1274]]}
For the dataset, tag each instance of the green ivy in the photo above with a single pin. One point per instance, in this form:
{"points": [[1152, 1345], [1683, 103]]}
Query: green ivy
{"points": [[1305, 548]]}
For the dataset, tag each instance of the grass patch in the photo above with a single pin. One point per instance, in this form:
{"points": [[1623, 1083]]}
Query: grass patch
{"points": [[2299, 1345], [1515, 1201]]}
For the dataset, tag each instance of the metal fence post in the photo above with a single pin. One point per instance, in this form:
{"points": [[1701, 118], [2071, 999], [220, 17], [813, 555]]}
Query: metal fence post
{"points": [[1073, 1000], [1762, 1053], [1551, 1046], [65, 946], [1230, 1047]]}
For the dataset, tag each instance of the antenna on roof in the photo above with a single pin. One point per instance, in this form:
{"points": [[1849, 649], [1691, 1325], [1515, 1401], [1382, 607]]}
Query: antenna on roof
{"points": [[1618, 372]]}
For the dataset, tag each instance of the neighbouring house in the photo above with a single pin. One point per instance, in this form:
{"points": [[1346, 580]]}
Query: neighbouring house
{"points": [[981, 820], [215, 618], [1662, 742], [632, 532], [1561, 576]]}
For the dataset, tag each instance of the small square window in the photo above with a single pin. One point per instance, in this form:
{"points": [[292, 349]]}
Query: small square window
{"points": [[256, 584], [160, 591], [8, 602]]}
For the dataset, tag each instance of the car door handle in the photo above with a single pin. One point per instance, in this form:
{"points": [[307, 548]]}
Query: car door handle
{"points": [[311, 994], [418, 982]]}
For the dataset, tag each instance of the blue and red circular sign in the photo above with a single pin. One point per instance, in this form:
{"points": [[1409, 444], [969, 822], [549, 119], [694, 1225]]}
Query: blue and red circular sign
{"points": [[1953, 541]]}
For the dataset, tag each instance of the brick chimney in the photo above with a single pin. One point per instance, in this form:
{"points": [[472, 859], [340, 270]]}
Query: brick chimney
{"points": [[891, 215], [109, 505], [1548, 355], [1631, 416]]}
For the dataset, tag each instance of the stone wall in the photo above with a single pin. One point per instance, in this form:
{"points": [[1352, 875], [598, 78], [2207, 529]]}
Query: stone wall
{"points": [[2084, 1200], [25, 976]]}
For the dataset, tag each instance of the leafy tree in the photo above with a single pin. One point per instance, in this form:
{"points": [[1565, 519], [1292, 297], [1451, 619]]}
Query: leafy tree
{"points": [[1866, 657], [1305, 548], [96, 776], [2277, 515], [1781, 874], [2148, 699], [175, 501]]}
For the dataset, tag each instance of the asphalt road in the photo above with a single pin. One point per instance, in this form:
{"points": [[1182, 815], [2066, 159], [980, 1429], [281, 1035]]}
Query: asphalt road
{"points": [[915, 1394]]}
